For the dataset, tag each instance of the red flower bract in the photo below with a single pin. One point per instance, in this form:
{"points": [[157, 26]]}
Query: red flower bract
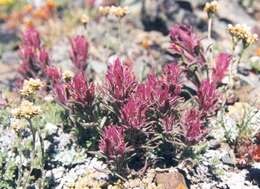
{"points": [[133, 113], [27, 66], [221, 66], [80, 90], [186, 43], [31, 37], [168, 123], [120, 82], [43, 58], [159, 92], [207, 96], [172, 76], [60, 93], [192, 125], [112, 142], [34, 58], [79, 52], [53, 73]]}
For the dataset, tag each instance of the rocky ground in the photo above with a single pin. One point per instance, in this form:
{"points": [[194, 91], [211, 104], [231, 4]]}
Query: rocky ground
{"points": [[144, 41]]}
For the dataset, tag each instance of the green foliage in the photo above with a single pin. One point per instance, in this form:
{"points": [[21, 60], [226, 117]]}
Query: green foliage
{"points": [[7, 169], [255, 66], [4, 117], [52, 112]]}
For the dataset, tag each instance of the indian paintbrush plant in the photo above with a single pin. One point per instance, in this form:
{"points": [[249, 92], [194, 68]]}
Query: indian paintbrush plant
{"points": [[156, 120], [134, 125], [152, 122]]}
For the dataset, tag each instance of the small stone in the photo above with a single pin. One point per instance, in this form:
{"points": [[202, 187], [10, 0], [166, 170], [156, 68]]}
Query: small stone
{"points": [[243, 71], [214, 144], [58, 172], [229, 158], [51, 128], [171, 180]]}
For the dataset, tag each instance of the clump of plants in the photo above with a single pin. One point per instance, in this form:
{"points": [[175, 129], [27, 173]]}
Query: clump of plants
{"points": [[140, 124], [133, 125], [157, 121]]}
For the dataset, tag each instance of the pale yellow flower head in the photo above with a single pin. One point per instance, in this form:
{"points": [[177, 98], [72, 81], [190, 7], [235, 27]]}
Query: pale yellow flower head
{"points": [[242, 32], [119, 11], [31, 86], [104, 10], [17, 125], [113, 10], [67, 75], [26, 110], [84, 19], [211, 7]]}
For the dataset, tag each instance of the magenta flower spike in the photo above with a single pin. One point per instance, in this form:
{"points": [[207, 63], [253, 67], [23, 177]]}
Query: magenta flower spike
{"points": [[186, 43], [43, 58], [112, 142], [207, 96], [81, 91], [79, 52], [120, 81], [221, 66], [60, 93], [172, 74], [133, 113], [31, 38], [53, 73], [192, 125]]}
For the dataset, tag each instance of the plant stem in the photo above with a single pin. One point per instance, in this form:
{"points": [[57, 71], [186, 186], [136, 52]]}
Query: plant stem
{"points": [[209, 27], [33, 150], [18, 183], [42, 158], [120, 35]]}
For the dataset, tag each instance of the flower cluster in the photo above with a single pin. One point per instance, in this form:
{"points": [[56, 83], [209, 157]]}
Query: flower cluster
{"points": [[53, 73], [75, 91], [115, 11], [152, 109], [79, 52], [211, 7], [133, 114], [243, 33], [207, 96], [73, 88], [26, 110], [222, 63], [34, 58], [156, 104], [192, 125], [120, 82], [31, 86], [186, 43], [81, 91], [112, 142], [67, 75], [84, 19]]}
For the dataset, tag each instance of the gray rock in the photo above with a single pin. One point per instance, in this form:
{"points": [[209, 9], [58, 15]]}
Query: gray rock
{"points": [[214, 144], [229, 158], [81, 169], [10, 57], [51, 128], [58, 172], [234, 13]]}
